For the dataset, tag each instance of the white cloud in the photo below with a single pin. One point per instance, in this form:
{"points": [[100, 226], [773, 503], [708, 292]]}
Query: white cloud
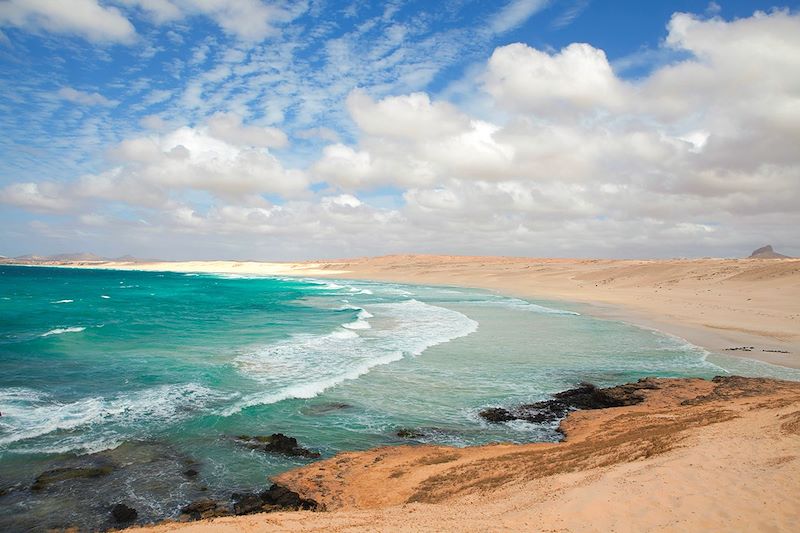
{"points": [[515, 13], [195, 159], [83, 98], [407, 117], [85, 18], [697, 146], [322, 132], [250, 20], [579, 77], [228, 127], [35, 196], [565, 158], [160, 11]]}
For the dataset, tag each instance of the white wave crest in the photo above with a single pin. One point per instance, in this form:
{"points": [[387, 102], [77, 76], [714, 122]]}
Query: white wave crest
{"points": [[362, 322], [104, 296], [28, 414], [62, 302], [306, 365], [61, 331]]}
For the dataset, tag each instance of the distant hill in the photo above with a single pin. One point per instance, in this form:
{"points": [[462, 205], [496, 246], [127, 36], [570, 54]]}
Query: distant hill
{"points": [[766, 252], [67, 258], [78, 256]]}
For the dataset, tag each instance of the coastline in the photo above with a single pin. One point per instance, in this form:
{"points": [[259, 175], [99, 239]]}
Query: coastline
{"points": [[716, 304], [674, 462], [727, 431]]}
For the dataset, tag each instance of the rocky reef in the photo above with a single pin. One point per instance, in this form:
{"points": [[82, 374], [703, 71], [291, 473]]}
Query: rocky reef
{"points": [[585, 396], [277, 443]]}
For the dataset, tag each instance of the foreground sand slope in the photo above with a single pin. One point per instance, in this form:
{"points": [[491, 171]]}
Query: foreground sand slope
{"points": [[695, 456]]}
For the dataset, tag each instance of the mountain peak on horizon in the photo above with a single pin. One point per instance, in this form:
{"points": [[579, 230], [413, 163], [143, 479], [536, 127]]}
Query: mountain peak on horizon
{"points": [[766, 252]]}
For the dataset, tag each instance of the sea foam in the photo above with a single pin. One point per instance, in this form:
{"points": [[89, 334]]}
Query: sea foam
{"points": [[61, 331], [304, 366], [29, 413]]}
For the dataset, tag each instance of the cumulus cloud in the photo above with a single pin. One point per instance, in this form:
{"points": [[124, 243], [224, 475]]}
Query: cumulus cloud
{"points": [[44, 197], [223, 158], [697, 157], [577, 78], [226, 160], [228, 127], [85, 18], [688, 149]]}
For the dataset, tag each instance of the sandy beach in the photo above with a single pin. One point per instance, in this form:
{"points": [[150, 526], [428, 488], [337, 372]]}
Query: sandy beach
{"points": [[714, 303], [694, 456]]}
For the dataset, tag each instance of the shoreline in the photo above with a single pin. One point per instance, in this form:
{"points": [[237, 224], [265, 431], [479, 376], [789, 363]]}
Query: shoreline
{"points": [[673, 460], [669, 296], [605, 451]]}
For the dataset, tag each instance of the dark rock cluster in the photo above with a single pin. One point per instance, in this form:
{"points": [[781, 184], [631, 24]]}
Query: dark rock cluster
{"points": [[277, 443], [122, 514], [585, 396], [276, 498]]}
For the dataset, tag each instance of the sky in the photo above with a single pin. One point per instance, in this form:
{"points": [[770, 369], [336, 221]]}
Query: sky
{"points": [[209, 129]]}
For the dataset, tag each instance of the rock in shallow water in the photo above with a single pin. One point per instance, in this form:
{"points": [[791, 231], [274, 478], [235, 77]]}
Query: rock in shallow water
{"points": [[585, 396], [47, 478], [278, 443], [408, 433], [123, 514]]}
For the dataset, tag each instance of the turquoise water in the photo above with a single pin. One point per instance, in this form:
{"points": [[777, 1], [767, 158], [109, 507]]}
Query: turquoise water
{"points": [[165, 369]]}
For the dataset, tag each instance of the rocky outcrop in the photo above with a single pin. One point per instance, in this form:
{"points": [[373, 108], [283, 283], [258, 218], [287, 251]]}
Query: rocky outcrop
{"points": [[277, 443], [205, 508], [409, 433], [276, 498], [585, 396], [766, 252], [122, 514]]}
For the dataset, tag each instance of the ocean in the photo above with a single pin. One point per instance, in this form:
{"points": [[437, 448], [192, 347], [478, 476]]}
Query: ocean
{"points": [[157, 373]]}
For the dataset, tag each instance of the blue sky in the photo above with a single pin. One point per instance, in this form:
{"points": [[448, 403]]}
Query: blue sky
{"points": [[89, 91]]}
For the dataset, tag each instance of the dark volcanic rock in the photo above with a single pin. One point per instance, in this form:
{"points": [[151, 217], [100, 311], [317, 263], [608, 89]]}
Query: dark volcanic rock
{"points": [[276, 498], [122, 514], [497, 414], [408, 433], [287, 499], [248, 504], [205, 508], [278, 443], [47, 478], [585, 396]]}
